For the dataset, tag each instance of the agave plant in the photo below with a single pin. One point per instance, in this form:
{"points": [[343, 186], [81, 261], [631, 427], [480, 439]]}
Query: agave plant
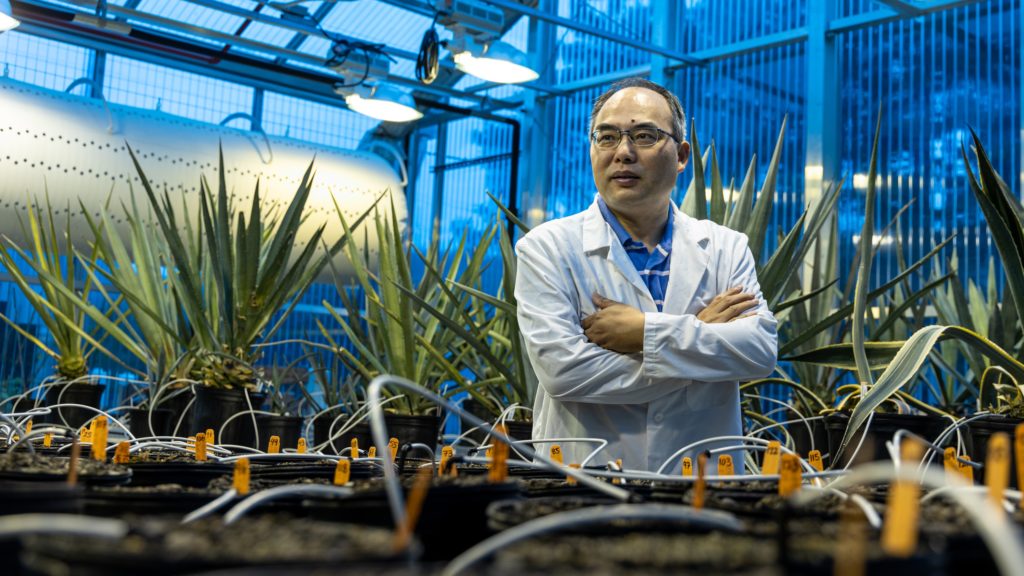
{"points": [[402, 328], [49, 259], [1005, 217], [236, 272]]}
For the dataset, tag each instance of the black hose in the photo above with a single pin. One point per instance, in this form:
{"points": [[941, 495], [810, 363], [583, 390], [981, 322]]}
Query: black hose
{"points": [[428, 60]]}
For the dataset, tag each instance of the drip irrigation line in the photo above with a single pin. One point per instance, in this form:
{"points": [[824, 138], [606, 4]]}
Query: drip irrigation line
{"points": [[253, 413], [602, 443], [210, 507], [99, 412], [378, 428], [271, 494], [18, 525], [949, 430], [352, 423]]}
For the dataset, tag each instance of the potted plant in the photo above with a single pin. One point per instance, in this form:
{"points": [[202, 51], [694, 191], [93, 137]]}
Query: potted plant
{"points": [[238, 272], [47, 258]]}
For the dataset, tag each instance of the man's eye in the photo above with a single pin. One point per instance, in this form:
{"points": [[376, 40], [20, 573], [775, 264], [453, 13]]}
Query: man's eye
{"points": [[645, 137], [607, 137]]}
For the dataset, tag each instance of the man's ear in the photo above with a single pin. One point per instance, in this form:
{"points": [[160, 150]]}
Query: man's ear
{"points": [[684, 156]]}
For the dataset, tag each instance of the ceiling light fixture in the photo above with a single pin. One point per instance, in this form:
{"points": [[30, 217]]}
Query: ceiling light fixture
{"points": [[7, 19], [383, 102], [475, 46], [500, 62], [364, 71]]}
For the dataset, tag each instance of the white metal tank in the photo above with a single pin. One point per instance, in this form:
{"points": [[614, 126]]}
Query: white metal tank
{"points": [[75, 147]]}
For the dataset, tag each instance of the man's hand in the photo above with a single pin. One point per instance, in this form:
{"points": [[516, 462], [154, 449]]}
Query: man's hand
{"points": [[728, 306], [615, 326]]}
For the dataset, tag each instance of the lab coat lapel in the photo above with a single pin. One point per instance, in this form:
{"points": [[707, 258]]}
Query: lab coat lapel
{"points": [[689, 262], [598, 237]]}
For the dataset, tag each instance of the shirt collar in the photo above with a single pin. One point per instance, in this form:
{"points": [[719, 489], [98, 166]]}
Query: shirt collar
{"points": [[620, 232]]}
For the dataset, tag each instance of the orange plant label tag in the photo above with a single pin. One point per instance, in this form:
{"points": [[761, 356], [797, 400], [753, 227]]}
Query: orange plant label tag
{"points": [[446, 454], [342, 472], [190, 445], [99, 439], [240, 480], [814, 459], [556, 454], [28, 427], [790, 477], [301, 448], [354, 453], [688, 466], [1018, 451], [700, 487], [618, 464], [47, 440], [393, 448], [966, 470], [201, 447], [499, 464], [949, 462], [771, 458], [86, 435], [569, 479], [274, 445], [997, 468], [121, 453], [210, 437], [371, 452], [725, 467], [899, 530]]}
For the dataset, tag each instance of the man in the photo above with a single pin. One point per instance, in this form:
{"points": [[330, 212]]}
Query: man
{"points": [[639, 321]]}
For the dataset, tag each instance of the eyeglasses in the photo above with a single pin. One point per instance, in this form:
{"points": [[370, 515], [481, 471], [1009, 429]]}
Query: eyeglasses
{"points": [[646, 137]]}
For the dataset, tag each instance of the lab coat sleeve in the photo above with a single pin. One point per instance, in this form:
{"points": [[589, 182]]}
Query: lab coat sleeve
{"points": [[568, 366], [681, 346]]}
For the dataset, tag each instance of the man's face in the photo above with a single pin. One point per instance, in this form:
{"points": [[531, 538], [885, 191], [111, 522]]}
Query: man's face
{"points": [[628, 177]]}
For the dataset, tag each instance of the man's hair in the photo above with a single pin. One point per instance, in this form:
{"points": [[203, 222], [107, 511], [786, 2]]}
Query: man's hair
{"points": [[678, 114]]}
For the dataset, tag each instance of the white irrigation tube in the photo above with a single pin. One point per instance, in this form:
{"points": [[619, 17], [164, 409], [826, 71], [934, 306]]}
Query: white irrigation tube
{"points": [[602, 443], [263, 496], [792, 408], [283, 456], [181, 416], [698, 444], [210, 507], [760, 448], [410, 447], [863, 436], [17, 525], [99, 412], [220, 431], [210, 448], [949, 430], [874, 520], [379, 430], [255, 427], [995, 529], [36, 433], [891, 446], [1009, 496], [711, 519], [154, 401]]}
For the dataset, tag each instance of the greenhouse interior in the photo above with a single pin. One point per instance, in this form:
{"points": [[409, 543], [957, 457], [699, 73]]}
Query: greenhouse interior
{"points": [[510, 287]]}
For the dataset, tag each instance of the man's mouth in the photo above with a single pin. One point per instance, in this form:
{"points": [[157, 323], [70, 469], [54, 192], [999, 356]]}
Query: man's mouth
{"points": [[625, 177]]}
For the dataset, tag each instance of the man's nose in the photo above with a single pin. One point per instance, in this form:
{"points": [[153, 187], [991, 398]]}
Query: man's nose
{"points": [[625, 151]]}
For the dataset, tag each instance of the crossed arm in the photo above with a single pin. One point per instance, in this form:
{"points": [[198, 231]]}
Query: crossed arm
{"points": [[622, 355]]}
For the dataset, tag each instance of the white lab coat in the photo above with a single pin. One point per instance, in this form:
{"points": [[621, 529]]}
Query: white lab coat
{"points": [[684, 386]]}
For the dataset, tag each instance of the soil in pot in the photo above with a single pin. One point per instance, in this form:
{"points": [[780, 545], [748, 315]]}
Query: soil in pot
{"points": [[84, 393], [161, 499], [167, 548], [25, 466]]}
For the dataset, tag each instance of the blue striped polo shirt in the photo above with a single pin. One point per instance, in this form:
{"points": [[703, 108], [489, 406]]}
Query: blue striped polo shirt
{"points": [[653, 266]]}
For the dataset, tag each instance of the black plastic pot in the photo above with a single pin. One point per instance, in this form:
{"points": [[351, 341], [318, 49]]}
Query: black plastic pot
{"points": [[980, 431], [287, 428], [519, 429], [178, 402], [138, 422], [190, 474], [882, 428], [84, 393], [413, 429], [802, 438], [214, 406]]}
